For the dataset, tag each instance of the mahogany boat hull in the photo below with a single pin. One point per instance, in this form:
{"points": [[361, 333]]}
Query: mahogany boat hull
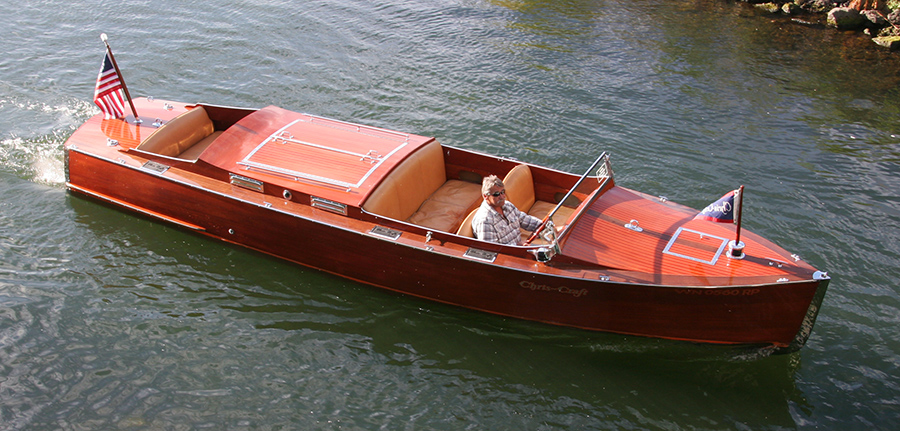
{"points": [[777, 314]]}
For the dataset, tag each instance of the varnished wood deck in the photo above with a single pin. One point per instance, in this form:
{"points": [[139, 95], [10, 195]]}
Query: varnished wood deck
{"points": [[670, 243]]}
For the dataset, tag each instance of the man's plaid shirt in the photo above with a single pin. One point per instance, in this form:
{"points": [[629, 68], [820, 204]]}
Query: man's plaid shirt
{"points": [[489, 225]]}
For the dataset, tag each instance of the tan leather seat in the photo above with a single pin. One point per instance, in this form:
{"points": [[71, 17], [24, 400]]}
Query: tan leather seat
{"points": [[404, 190], [465, 229], [444, 209], [418, 191], [195, 150], [180, 133], [519, 183]]}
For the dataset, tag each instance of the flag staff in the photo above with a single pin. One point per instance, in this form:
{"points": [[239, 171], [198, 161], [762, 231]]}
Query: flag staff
{"points": [[121, 78], [737, 248]]}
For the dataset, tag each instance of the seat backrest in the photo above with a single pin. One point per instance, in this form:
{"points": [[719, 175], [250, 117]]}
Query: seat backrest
{"points": [[465, 229], [409, 184], [179, 133], [520, 187]]}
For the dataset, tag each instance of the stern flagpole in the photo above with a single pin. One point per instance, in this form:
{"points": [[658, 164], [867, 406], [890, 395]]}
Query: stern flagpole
{"points": [[112, 58]]}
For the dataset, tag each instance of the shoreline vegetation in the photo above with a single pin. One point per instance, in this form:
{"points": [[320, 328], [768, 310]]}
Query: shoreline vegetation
{"points": [[879, 19]]}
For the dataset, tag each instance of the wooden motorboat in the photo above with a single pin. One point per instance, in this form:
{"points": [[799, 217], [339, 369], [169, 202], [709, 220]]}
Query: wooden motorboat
{"points": [[393, 210]]}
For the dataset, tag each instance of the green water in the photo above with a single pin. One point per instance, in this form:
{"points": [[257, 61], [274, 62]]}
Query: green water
{"points": [[111, 321]]}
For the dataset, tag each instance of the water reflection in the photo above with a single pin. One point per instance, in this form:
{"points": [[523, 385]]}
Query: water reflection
{"points": [[856, 80], [544, 18]]}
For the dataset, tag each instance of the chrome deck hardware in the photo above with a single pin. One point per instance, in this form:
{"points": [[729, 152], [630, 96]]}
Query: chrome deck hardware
{"points": [[385, 232], [475, 253], [736, 251], [634, 225], [372, 157], [256, 159], [247, 183], [328, 205], [155, 167], [543, 254], [709, 256]]}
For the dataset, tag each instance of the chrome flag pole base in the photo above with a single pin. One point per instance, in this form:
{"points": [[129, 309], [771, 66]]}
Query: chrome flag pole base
{"points": [[736, 250]]}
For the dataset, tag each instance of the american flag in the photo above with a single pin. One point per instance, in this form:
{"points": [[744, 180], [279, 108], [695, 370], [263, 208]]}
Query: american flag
{"points": [[109, 95]]}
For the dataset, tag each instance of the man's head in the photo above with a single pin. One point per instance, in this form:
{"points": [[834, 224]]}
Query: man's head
{"points": [[493, 191]]}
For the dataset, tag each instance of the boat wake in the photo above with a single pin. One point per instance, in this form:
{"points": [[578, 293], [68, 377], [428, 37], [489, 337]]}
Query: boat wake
{"points": [[32, 147], [37, 159]]}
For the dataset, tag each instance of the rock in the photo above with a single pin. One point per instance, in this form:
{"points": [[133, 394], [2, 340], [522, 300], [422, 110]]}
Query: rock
{"points": [[816, 5], [790, 8], [845, 18], [875, 19], [866, 4], [889, 31], [768, 7], [890, 42], [894, 17]]}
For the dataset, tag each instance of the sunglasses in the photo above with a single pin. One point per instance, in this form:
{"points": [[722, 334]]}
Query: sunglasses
{"points": [[495, 194]]}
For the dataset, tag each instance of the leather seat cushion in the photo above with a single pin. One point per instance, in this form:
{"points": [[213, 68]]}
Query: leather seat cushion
{"points": [[405, 189], [447, 206], [195, 150], [180, 133]]}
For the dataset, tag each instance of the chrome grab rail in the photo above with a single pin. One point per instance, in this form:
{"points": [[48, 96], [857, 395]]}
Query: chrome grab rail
{"points": [[604, 172]]}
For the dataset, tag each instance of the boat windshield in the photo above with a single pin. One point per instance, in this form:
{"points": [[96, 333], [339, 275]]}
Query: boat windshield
{"points": [[603, 174]]}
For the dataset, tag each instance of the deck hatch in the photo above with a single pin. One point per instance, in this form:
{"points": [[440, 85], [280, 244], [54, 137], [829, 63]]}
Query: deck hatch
{"points": [[299, 151], [695, 245]]}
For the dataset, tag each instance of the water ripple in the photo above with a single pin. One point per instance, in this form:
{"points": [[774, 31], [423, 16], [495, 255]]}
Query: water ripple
{"points": [[108, 320]]}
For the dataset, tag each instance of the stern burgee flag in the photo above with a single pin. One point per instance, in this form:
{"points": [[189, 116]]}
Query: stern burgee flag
{"points": [[720, 211]]}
